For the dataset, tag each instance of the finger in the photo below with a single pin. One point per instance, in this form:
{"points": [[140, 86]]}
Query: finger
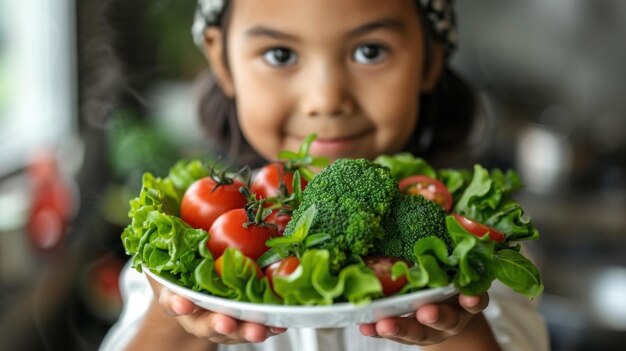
{"points": [[474, 304], [237, 331], [243, 332], [221, 324], [368, 329], [174, 305], [404, 330], [206, 324], [253, 332], [449, 319]]}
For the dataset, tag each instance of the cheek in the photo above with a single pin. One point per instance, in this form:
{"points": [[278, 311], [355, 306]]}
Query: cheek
{"points": [[399, 126], [391, 101], [395, 115], [261, 120]]}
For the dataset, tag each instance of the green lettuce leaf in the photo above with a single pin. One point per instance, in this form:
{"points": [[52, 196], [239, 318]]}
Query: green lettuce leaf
{"points": [[313, 283], [404, 164], [156, 237], [239, 279], [487, 199]]}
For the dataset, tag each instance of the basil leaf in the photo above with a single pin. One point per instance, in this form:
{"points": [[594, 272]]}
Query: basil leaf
{"points": [[518, 272]]}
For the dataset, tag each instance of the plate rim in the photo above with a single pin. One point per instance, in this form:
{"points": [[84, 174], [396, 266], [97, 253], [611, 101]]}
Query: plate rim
{"points": [[448, 290]]}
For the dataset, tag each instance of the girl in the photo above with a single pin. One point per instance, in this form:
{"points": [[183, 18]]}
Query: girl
{"points": [[369, 77]]}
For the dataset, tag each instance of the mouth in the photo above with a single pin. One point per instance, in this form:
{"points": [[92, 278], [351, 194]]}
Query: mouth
{"points": [[338, 146], [339, 138]]}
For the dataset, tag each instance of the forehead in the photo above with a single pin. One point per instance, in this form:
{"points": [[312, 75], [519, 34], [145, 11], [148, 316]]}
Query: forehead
{"points": [[319, 16]]}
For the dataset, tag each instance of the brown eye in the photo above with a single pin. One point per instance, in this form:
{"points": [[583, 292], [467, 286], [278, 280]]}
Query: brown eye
{"points": [[280, 57], [369, 54]]}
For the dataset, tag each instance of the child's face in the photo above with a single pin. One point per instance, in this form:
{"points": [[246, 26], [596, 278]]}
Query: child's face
{"points": [[350, 71]]}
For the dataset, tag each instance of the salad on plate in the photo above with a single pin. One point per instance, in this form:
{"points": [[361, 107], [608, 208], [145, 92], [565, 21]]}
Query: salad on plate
{"points": [[301, 235]]}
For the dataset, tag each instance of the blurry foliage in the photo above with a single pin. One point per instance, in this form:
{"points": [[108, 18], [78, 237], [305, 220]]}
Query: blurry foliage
{"points": [[136, 146], [169, 23]]}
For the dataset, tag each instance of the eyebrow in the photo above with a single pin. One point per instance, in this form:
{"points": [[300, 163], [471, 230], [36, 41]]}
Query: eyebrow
{"points": [[386, 23], [263, 31]]}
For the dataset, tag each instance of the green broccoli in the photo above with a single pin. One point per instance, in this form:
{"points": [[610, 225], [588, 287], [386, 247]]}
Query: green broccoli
{"points": [[352, 196], [411, 218]]}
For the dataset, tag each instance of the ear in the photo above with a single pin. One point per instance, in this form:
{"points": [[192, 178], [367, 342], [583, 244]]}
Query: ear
{"points": [[431, 77], [214, 52]]}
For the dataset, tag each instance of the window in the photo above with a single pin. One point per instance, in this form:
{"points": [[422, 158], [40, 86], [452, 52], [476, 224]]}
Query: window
{"points": [[37, 85]]}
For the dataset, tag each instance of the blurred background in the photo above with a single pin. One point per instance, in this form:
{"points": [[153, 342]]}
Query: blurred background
{"points": [[94, 93]]}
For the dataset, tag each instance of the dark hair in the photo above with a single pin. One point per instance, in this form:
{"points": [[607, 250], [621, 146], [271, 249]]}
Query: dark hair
{"points": [[445, 117]]}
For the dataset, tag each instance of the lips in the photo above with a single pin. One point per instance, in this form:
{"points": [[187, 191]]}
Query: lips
{"points": [[337, 147]]}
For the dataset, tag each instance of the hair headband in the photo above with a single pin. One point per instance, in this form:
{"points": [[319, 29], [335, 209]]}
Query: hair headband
{"points": [[438, 13]]}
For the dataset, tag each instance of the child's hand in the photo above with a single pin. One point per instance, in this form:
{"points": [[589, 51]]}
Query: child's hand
{"points": [[431, 323], [204, 324]]}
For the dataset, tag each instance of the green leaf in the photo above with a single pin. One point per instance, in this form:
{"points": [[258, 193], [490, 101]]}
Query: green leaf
{"points": [[456, 180], [475, 269], [316, 239], [306, 145], [184, 173], [487, 199], [270, 256], [320, 162], [313, 283], [405, 164], [518, 272], [435, 246], [287, 155], [301, 231]]}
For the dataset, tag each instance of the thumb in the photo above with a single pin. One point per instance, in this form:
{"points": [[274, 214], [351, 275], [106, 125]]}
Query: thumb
{"points": [[174, 305]]}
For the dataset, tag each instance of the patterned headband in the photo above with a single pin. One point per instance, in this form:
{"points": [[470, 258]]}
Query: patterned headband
{"points": [[439, 13]]}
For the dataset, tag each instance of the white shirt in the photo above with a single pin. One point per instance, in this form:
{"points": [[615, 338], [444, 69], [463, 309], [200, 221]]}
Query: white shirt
{"points": [[513, 318]]}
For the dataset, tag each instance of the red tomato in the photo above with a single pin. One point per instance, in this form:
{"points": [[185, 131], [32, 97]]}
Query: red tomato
{"points": [[219, 264], [232, 229], [279, 219], [284, 267], [204, 201], [381, 266], [267, 181], [430, 188], [479, 229]]}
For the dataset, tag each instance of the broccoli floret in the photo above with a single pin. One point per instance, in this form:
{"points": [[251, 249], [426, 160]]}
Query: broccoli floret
{"points": [[352, 196], [411, 218]]}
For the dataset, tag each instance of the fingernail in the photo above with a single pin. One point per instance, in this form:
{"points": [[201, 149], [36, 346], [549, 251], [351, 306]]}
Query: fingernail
{"points": [[432, 318], [276, 330], [472, 302], [395, 330]]}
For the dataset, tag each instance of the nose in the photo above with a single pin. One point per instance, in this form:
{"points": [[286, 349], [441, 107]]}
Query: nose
{"points": [[327, 92]]}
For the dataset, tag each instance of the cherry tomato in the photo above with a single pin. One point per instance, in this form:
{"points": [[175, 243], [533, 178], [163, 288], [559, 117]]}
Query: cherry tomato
{"points": [[279, 219], [381, 265], [267, 181], [219, 264], [479, 229], [430, 188], [204, 201], [282, 268], [232, 229]]}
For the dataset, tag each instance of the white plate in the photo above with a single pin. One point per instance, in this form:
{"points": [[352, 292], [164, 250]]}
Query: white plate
{"points": [[332, 316]]}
